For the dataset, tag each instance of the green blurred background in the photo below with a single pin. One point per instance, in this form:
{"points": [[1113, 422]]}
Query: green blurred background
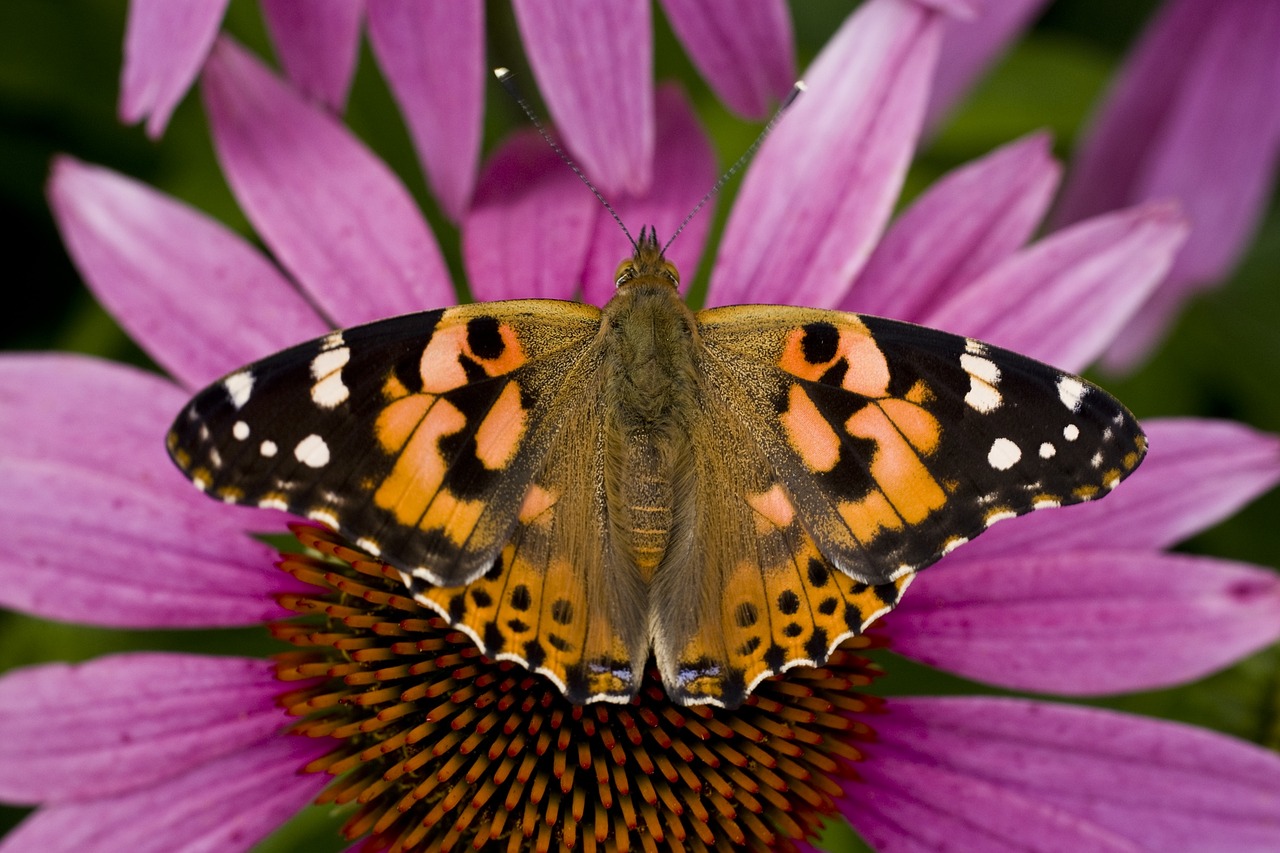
{"points": [[59, 71]]}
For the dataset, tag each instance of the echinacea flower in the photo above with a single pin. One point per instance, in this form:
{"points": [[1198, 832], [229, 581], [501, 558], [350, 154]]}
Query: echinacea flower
{"points": [[1191, 115], [432, 54], [429, 742]]}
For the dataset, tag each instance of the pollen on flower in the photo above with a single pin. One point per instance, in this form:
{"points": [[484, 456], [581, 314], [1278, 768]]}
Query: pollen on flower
{"points": [[436, 747]]}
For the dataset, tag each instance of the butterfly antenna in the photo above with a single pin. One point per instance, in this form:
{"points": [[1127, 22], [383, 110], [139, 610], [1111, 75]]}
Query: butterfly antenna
{"points": [[508, 82], [746, 156]]}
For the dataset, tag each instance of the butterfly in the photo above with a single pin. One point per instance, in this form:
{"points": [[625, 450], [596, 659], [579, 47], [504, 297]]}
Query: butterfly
{"points": [[734, 491]]}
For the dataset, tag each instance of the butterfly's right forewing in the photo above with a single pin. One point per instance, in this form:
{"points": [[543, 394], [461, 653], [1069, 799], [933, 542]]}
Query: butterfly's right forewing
{"points": [[415, 437]]}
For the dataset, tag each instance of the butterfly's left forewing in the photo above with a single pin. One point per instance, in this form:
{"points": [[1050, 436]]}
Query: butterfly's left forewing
{"points": [[898, 443], [415, 437]]}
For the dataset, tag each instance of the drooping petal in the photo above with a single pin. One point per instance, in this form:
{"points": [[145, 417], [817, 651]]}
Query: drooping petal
{"points": [[330, 210], [196, 296], [229, 803], [165, 44], [318, 43], [1011, 774], [1087, 623], [594, 64], [1197, 473], [1193, 116], [970, 45], [102, 529], [961, 227], [685, 170], [432, 54], [820, 190], [742, 50], [528, 231], [1065, 299], [97, 729]]}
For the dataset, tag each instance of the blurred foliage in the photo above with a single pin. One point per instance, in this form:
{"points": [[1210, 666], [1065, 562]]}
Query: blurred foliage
{"points": [[59, 67]]}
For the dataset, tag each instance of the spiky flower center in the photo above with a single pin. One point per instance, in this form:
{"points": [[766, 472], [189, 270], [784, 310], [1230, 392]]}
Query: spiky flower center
{"points": [[436, 747]]}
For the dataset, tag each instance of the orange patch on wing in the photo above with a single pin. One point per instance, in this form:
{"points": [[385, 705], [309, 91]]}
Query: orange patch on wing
{"points": [[920, 393], [393, 388], [536, 502], [397, 423], [452, 516], [920, 428], [502, 429], [907, 491], [810, 434], [418, 472], [870, 515], [441, 365], [868, 372], [773, 508]]}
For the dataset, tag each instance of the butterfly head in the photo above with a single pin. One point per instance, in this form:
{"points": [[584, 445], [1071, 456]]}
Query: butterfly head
{"points": [[648, 263]]}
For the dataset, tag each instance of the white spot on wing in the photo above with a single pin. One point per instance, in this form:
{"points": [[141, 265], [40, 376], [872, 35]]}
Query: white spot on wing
{"points": [[312, 451], [952, 544], [983, 368], [1071, 432], [268, 449], [329, 391], [324, 517], [371, 547], [982, 397], [240, 430], [1004, 454], [273, 503], [239, 387], [1047, 450], [1000, 516], [1045, 503], [1071, 392]]}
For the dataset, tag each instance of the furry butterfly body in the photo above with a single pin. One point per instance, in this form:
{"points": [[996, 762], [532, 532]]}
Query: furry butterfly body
{"points": [[734, 491]]}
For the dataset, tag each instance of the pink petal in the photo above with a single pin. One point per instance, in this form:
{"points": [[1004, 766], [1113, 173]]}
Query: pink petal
{"points": [[965, 224], [683, 174], [594, 65], [742, 50], [1167, 131], [102, 528], [432, 54], [822, 186], [74, 732], [164, 46], [318, 43], [1080, 623], [970, 46], [1010, 774], [1197, 473], [332, 212], [199, 298], [229, 803], [1066, 298], [529, 229]]}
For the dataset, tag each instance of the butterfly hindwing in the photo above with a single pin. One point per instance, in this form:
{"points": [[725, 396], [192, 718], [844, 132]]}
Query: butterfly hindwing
{"points": [[754, 596], [554, 601], [898, 443], [415, 437]]}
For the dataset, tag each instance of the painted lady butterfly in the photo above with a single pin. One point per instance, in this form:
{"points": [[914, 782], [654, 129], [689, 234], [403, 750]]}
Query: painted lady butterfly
{"points": [[735, 490]]}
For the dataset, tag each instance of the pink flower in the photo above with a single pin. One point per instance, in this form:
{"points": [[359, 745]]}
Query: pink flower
{"points": [[1191, 116], [169, 751], [432, 53]]}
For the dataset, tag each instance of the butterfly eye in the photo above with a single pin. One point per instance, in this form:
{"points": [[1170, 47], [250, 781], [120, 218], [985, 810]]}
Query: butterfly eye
{"points": [[626, 270], [670, 271]]}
